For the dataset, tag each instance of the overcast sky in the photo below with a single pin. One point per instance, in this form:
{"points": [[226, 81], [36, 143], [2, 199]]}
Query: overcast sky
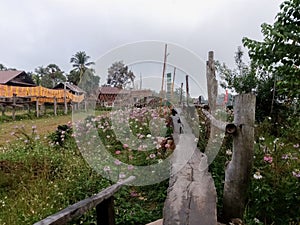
{"points": [[36, 33]]}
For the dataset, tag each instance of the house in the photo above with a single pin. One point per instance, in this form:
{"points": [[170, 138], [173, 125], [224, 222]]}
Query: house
{"points": [[16, 78], [75, 90], [109, 95], [112, 96]]}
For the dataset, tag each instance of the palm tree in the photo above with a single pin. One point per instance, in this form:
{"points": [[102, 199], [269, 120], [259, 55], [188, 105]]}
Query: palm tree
{"points": [[81, 62]]}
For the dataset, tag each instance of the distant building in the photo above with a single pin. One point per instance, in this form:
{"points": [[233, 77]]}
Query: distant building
{"points": [[16, 78], [112, 96], [75, 90]]}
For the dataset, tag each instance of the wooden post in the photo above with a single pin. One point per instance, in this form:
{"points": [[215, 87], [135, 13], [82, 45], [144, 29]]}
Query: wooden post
{"points": [[238, 171], [37, 106], [65, 99], [55, 106], [212, 89], [14, 106], [187, 89], [3, 110], [105, 212], [212, 84], [181, 90]]}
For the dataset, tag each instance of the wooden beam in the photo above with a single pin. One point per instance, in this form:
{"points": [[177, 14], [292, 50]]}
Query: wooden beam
{"points": [[79, 208]]}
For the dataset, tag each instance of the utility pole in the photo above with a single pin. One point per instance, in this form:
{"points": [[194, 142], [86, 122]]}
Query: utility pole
{"points": [[164, 69]]}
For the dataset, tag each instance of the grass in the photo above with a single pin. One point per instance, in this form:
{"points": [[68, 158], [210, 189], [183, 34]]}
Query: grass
{"points": [[44, 126]]}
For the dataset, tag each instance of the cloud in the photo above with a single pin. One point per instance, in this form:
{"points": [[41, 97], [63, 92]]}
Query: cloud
{"points": [[37, 32]]}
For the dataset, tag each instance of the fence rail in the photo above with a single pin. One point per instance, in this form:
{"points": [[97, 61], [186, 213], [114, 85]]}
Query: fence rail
{"points": [[103, 202]]}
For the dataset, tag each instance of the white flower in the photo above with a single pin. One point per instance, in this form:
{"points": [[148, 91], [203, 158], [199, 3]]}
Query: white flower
{"points": [[228, 152], [257, 176], [256, 220]]}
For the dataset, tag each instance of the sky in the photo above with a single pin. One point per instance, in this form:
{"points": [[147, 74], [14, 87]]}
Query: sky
{"points": [[36, 33]]}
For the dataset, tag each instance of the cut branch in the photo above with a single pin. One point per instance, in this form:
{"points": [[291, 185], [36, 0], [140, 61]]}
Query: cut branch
{"points": [[229, 128]]}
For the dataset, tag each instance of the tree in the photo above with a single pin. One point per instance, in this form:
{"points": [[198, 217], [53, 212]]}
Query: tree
{"points": [[278, 53], [89, 82], [74, 77], [80, 63], [241, 79], [2, 67], [119, 76], [49, 76], [39, 72]]}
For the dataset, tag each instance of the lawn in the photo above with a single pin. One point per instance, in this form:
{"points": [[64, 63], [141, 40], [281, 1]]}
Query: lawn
{"points": [[44, 126]]}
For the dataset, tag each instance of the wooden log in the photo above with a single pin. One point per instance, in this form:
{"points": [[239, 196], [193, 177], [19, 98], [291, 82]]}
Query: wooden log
{"points": [[79, 208], [191, 196], [229, 128], [238, 171]]}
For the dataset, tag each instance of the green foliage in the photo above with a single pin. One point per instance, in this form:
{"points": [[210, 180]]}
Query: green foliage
{"points": [[278, 53], [80, 63], [89, 82], [274, 191], [62, 137], [119, 76], [241, 79]]}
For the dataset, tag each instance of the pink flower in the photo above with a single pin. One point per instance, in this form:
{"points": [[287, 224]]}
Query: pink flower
{"points": [[268, 158], [125, 145], [118, 152], [167, 145], [118, 162], [152, 156], [133, 194], [130, 167]]}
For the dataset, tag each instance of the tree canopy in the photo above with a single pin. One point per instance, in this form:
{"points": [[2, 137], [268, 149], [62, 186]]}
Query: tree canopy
{"points": [[119, 75], [241, 79], [80, 63], [278, 53]]}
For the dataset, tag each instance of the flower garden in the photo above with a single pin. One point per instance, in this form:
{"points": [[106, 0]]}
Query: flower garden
{"points": [[41, 175]]}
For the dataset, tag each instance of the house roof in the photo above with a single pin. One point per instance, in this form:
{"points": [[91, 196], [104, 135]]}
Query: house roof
{"points": [[71, 87], [7, 75], [111, 90]]}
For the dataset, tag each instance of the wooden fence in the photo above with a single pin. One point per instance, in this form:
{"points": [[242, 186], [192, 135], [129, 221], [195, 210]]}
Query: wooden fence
{"points": [[103, 202]]}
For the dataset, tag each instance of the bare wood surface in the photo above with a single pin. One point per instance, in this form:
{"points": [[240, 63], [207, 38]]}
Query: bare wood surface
{"points": [[191, 197], [79, 208], [238, 171]]}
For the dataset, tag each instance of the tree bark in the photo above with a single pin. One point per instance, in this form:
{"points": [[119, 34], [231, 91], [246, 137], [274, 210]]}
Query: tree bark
{"points": [[238, 171]]}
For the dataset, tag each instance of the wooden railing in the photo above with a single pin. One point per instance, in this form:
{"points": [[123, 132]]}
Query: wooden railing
{"points": [[103, 202]]}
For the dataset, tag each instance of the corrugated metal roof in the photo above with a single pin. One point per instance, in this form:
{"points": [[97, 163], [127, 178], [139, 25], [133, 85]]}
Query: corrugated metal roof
{"points": [[69, 86], [110, 90], [7, 75]]}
